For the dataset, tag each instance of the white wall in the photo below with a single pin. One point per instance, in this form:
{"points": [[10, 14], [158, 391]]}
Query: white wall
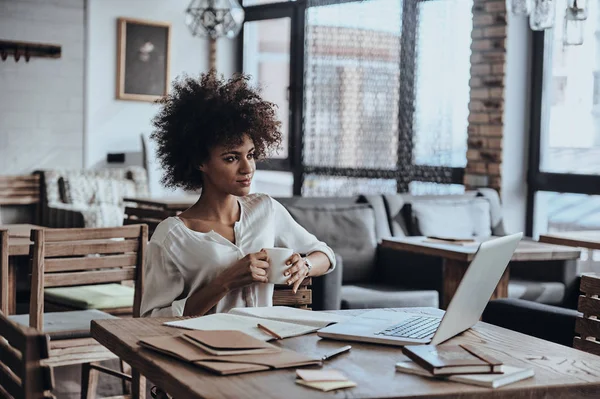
{"points": [[113, 125], [516, 123], [41, 101]]}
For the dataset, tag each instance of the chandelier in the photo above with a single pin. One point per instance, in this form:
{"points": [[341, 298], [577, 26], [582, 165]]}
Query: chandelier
{"points": [[542, 15], [214, 18]]}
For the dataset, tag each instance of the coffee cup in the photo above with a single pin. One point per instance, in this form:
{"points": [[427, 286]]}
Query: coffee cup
{"points": [[277, 264]]}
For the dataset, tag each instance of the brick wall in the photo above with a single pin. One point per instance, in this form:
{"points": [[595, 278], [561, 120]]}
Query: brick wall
{"points": [[41, 102], [486, 108]]}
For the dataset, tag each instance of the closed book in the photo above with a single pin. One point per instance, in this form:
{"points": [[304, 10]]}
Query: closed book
{"points": [[452, 359], [510, 375]]}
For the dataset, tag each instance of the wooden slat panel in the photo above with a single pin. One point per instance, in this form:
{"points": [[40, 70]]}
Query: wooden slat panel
{"points": [[80, 234], [12, 333], [307, 282], [586, 345], [10, 383], [19, 184], [86, 248], [288, 298], [90, 263], [82, 278], [23, 178], [147, 213], [590, 284], [587, 327], [589, 306], [19, 191], [11, 358], [19, 200]]}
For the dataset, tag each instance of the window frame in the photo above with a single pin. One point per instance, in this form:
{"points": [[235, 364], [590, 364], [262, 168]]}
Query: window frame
{"points": [[537, 180], [294, 163]]}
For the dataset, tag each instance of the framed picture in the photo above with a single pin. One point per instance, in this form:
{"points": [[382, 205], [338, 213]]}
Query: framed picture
{"points": [[142, 59]]}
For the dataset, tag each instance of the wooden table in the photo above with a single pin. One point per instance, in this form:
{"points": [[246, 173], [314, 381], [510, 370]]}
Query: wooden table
{"points": [[165, 203], [456, 259], [18, 256], [559, 371], [584, 239]]}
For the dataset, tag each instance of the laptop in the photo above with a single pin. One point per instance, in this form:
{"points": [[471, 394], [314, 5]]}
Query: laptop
{"points": [[397, 327]]}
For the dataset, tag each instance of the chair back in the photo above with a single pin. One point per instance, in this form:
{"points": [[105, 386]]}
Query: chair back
{"points": [[22, 376], [588, 327], [284, 296], [85, 256], [20, 190]]}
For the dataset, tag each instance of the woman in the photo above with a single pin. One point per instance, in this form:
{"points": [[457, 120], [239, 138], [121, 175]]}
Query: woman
{"points": [[209, 134]]}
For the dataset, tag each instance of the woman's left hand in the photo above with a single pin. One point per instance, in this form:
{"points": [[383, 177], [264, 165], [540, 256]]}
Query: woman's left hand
{"points": [[296, 272]]}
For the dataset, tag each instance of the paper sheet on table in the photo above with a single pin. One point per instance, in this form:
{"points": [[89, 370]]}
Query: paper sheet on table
{"points": [[292, 315], [246, 324]]}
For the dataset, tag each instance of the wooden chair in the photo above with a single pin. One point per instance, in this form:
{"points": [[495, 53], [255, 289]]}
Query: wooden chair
{"points": [[150, 216], [68, 257], [22, 374], [284, 296], [588, 326], [21, 190]]}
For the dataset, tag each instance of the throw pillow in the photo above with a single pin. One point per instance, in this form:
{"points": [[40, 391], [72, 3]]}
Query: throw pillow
{"points": [[349, 231], [466, 218]]}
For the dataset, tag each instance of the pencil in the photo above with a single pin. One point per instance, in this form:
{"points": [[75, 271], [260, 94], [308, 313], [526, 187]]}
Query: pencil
{"points": [[271, 333]]}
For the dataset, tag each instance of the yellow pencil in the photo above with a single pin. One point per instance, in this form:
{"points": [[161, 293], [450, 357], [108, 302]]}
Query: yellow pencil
{"points": [[271, 333]]}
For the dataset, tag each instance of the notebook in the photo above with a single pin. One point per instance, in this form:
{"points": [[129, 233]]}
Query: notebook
{"points": [[182, 349], [292, 315], [511, 375], [323, 380], [452, 359], [228, 343], [245, 324]]}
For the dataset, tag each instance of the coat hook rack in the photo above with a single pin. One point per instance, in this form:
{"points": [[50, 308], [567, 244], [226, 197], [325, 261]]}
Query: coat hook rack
{"points": [[28, 50]]}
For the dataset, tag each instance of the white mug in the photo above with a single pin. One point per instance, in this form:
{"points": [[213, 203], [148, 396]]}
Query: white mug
{"points": [[277, 266]]}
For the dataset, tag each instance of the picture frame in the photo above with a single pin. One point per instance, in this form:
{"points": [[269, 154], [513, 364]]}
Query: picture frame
{"points": [[143, 59]]}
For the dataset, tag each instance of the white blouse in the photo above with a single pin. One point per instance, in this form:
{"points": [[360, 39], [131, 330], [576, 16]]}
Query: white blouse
{"points": [[180, 261]]}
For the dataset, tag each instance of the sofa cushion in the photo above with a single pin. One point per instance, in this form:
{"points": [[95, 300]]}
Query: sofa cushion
{"points": [[349, 231], [382, 224], [100, 296], [447, 218], [85, 190], [66, 325], [52, 192], [548, 292], [368, 296], [103, 215]]}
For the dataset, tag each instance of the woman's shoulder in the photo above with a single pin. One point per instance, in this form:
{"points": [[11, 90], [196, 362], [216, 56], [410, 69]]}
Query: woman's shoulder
{"points": [[257, 201], [166, 230]]}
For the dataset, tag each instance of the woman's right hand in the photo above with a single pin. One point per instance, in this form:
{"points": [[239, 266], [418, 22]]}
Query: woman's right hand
{"points": [[252, 268]]}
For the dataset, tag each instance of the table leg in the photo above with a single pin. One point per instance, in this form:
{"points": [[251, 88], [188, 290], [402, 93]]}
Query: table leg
{"points": [[12, 284], [138, 385], [454, 271]]}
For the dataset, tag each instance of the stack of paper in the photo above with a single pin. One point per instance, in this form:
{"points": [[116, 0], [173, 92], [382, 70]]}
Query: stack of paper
{"points": [[323, 380], [227, 352]]}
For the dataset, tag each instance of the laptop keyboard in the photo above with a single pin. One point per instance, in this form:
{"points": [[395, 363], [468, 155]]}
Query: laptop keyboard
{"points": [[415, 327]]}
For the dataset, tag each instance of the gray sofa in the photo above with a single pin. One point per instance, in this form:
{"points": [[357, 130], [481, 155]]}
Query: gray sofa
{"points": [[372, 276], [353, 227]]}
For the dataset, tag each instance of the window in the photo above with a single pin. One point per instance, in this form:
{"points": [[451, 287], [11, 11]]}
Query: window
{"points": [[368, 106], [267, 61], [564, 179], [570, 132]]}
